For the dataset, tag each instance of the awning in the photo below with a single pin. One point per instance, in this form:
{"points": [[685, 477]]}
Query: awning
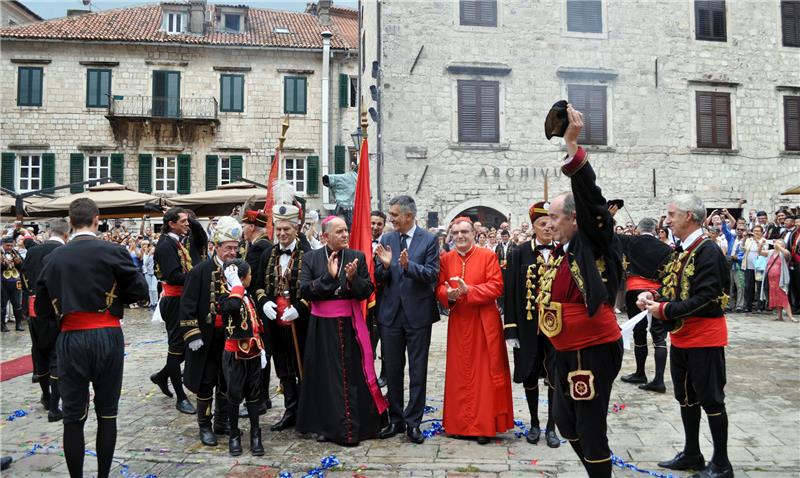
{"points": [[113, 200], [221, 201]]}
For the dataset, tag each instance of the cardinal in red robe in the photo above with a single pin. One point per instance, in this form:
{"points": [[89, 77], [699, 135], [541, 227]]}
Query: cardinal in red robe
{"points": [[477, 389]]}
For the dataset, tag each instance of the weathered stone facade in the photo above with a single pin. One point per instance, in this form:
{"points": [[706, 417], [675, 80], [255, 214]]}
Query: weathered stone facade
{"points": [[651, 64], [64, 125]]}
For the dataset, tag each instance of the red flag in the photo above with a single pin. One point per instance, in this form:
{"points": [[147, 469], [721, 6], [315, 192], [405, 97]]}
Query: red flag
{"points": [[360, 233], [270, 200]]}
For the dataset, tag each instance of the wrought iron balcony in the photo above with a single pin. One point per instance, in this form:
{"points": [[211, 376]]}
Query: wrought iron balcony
{"points": [[155, 107]]}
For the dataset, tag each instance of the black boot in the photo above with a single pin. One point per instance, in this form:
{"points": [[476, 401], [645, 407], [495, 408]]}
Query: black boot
{"points": [[550, 430], [221, 414], [3, 326], [20, 319], [235, 438], [532, 395], [598, 470], [256, 446], [204, 422], [290, 403]]}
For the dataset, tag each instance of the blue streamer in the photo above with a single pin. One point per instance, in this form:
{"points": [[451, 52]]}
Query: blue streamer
{"points": [[428, 410], [622, 464], [326, 463], [436, 428], [16, 414]]}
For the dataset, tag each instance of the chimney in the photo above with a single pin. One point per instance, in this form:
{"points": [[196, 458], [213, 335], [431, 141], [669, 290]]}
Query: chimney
{"points": [[197, 16], [74, 12], [324, 12]]}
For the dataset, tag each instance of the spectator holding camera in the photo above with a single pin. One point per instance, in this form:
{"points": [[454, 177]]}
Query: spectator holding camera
{"points": [[753, 265]]}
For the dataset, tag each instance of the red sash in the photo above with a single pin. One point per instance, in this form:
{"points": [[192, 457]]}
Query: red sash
{"points": [[31, 308], [171, 290], [635, 282], [88, 320], [701, 332], [579, 331]]}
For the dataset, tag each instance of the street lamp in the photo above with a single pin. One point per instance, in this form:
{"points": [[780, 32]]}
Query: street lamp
{"points": [[357, 137]]}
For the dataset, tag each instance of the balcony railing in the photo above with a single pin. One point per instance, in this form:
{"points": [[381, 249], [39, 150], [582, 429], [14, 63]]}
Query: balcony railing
{"points": [[163, 107]]}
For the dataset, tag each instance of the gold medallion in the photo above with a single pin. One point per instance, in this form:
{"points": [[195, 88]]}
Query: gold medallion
{"points": [[550, 321]]}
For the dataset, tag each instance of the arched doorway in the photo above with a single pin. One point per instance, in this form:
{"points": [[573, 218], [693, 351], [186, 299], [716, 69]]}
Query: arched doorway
{"points": [[489, 213]]}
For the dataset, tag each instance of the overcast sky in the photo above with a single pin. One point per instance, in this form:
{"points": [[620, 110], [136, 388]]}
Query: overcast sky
{"points": [[58, 8]]}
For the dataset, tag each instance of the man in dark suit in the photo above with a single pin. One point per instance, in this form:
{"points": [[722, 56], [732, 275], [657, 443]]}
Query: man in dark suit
{"points": [[407, 266]]}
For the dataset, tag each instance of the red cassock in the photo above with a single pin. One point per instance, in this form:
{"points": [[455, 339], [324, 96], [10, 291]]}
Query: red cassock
{"points": [[477, 388]]}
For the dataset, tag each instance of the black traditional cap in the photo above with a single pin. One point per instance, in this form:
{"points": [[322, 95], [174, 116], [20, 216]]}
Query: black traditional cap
{"points": [[556, 122], [616, 202], [8, 240]]}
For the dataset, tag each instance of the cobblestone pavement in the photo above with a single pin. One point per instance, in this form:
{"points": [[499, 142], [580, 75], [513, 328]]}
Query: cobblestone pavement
{"points": [[154, 439]]}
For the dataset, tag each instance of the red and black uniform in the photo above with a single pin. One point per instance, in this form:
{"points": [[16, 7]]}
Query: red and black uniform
{"points": [[201, 318], [43, 332], [280, 274], [535, 357], [252, 255], [241, 364], [576, 303], [90, 347], [643, 257], [692, 301]]}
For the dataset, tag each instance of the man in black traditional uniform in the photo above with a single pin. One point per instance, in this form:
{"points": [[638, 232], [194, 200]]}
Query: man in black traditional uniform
{"points": [[11, 284], [279, 298], [340, 399], [576, 308], [533, 353], [201, 329], [256, 244], [44, 332], [183, 244], [244, 356], [90, 347], [643, 256], [691, 302]]}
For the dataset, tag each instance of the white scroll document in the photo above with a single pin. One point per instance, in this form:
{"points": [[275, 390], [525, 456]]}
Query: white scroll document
{"points": [[627, 327]]}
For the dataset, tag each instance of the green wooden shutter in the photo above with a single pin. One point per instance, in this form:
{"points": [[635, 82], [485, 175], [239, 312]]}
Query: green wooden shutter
{"points": [[76, 166], [236, 168], [118, 168], [339, 159], [344, 88], [48, 170], [184, 174], [212, 171], [312, 175], [146, 173], [7, 172]]}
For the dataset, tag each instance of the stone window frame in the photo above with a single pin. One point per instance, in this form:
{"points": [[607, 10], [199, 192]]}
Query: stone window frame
{"points": [[165, 23], [30, 103], [472, 27], [695, 11], [285, 82], [166, 167], [713, 87], [607, 125], [232, 109], [781, 42], [593, 77], [729, 31], [19, 168], [781, 93], [293, 180], [603, 35], [352, 100], [99, 71], [89, 167]]}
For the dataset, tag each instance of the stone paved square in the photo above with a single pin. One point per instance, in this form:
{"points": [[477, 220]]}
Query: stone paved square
{"points": [[763, 399]]}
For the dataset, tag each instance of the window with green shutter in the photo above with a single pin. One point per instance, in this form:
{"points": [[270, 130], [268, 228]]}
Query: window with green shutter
{"points": [[184, 174], [231, 93], [344, 88], [98, 88], [118, 168], [236, 168], [294, 95], [48, 170], [7, 176], [29, 86], [146, 173], [339, 159], [212, 163], [76, 172], [312, 175]]}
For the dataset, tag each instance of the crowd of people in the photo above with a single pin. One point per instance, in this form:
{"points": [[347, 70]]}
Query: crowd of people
{"points": [[274, 290]]}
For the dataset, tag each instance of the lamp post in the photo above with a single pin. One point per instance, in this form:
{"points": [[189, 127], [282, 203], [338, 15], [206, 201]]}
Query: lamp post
{"points": [[357, 137]]}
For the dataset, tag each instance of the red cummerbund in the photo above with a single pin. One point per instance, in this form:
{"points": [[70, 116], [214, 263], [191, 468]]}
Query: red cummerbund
{"points": [[640, 283], [171, 290], [701, 332], [88, 320], [579, 331], [31, 306]]}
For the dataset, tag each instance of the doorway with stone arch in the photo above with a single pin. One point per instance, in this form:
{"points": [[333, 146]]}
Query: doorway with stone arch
{"points": [[488, 212]]}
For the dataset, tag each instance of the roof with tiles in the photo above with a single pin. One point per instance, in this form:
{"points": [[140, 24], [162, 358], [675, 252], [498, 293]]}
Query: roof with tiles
{"points": [[144, 25]]}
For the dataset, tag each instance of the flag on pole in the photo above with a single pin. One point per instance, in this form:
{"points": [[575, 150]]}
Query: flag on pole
{"points": [[270, 200], [360, 233]]}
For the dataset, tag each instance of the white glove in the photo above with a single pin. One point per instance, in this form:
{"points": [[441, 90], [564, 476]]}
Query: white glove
{"points": [[270, 310], [232, 276], [512, 343], [195, 344], [263, 359], [157, 316], [290, 314]]}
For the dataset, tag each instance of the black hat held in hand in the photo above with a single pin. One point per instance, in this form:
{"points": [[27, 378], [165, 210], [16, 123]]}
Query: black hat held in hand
{"points": [[556, 122]]}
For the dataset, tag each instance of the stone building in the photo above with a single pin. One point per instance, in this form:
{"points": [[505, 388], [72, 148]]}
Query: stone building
{"points": [[13, 12], [679, 96], [178, 97]]}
